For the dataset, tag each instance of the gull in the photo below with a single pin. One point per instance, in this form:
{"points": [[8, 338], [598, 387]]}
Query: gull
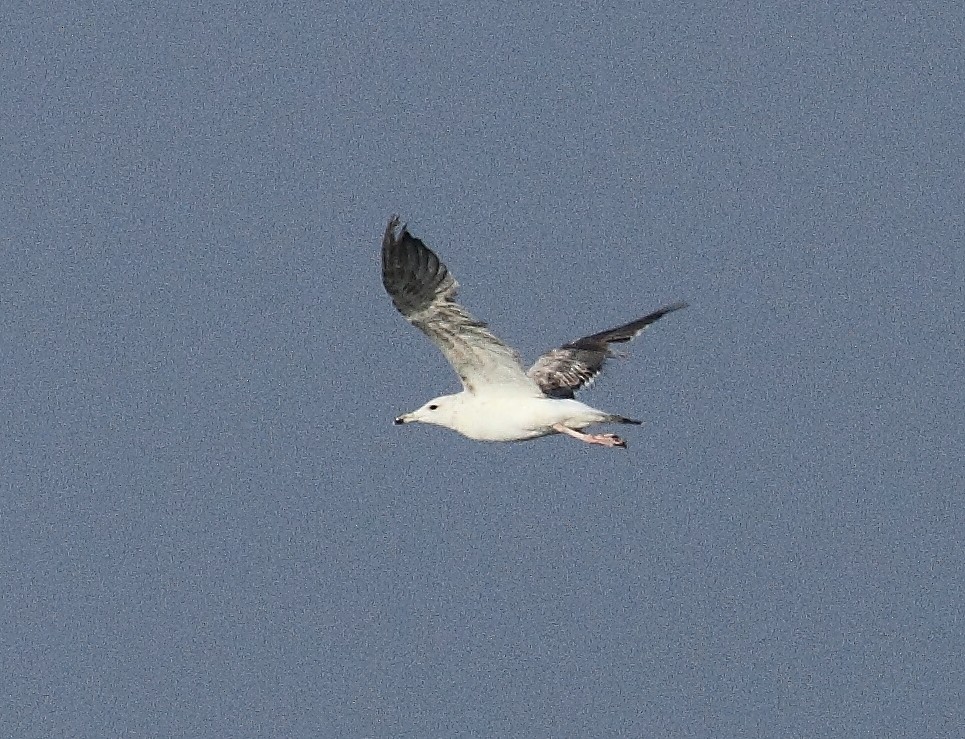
{"points": [[500, 401]]}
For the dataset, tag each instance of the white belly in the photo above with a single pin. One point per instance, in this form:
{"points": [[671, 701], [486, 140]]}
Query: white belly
{"points": [[515, 418]]}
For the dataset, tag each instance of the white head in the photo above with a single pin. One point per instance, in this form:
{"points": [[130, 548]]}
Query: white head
{"points": [[438, 411]]}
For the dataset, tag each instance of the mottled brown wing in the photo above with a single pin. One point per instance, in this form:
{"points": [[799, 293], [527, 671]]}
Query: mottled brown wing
{"points": [[561, 372]]}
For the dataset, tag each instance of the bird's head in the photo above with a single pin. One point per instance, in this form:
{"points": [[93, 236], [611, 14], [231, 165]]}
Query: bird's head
{"points": [[438, 411]]}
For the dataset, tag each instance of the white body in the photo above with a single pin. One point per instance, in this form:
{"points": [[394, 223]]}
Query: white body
{"points": [[494, 416]]}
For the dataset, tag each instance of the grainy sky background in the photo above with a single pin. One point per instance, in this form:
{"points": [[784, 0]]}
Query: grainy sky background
{"points": [[209, 526]]}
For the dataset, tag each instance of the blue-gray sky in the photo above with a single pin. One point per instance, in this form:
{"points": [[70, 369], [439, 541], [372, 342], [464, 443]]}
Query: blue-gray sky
{"points": [[210, 527]]}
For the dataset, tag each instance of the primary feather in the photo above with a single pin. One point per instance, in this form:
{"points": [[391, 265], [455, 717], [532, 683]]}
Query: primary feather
{"points": [[561, 372]]}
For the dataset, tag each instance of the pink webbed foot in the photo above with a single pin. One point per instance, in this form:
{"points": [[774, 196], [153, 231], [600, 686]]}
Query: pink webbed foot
{"points": [[607, 440], [610, 440]]}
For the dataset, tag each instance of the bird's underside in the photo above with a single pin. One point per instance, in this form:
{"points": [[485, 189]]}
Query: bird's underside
{"points": [[500, 401]]}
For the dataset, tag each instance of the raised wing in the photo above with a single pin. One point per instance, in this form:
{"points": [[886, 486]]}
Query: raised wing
{"points": [[561, 372], [424, 292]]}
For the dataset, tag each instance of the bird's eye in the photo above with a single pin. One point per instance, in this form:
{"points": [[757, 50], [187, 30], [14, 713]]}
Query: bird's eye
{"points": [[433, 407]]}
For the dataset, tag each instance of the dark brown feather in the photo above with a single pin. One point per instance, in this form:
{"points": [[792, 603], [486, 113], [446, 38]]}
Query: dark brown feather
{"points": [[561, 372]]}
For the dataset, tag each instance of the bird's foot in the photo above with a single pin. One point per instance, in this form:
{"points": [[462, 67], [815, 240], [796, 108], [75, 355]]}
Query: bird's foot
{"points": [[609, 440]]}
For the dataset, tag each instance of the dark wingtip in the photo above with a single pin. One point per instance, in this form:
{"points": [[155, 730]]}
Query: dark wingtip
{"points": [[679, 305], [411, 273], [391, 228]]}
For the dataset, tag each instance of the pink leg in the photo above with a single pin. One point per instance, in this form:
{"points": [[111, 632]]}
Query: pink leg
{"points": [[610, 440]]}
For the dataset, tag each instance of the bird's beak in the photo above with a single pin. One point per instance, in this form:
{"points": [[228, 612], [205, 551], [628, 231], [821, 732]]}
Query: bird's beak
{"points": [[404, 418]]}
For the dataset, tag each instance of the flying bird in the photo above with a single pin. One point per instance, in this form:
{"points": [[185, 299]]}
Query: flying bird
{"points": [[500, 401]]}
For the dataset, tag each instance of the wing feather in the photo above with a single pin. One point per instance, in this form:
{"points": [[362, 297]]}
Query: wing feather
{"points": [[424, 292], [563, 371]]}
